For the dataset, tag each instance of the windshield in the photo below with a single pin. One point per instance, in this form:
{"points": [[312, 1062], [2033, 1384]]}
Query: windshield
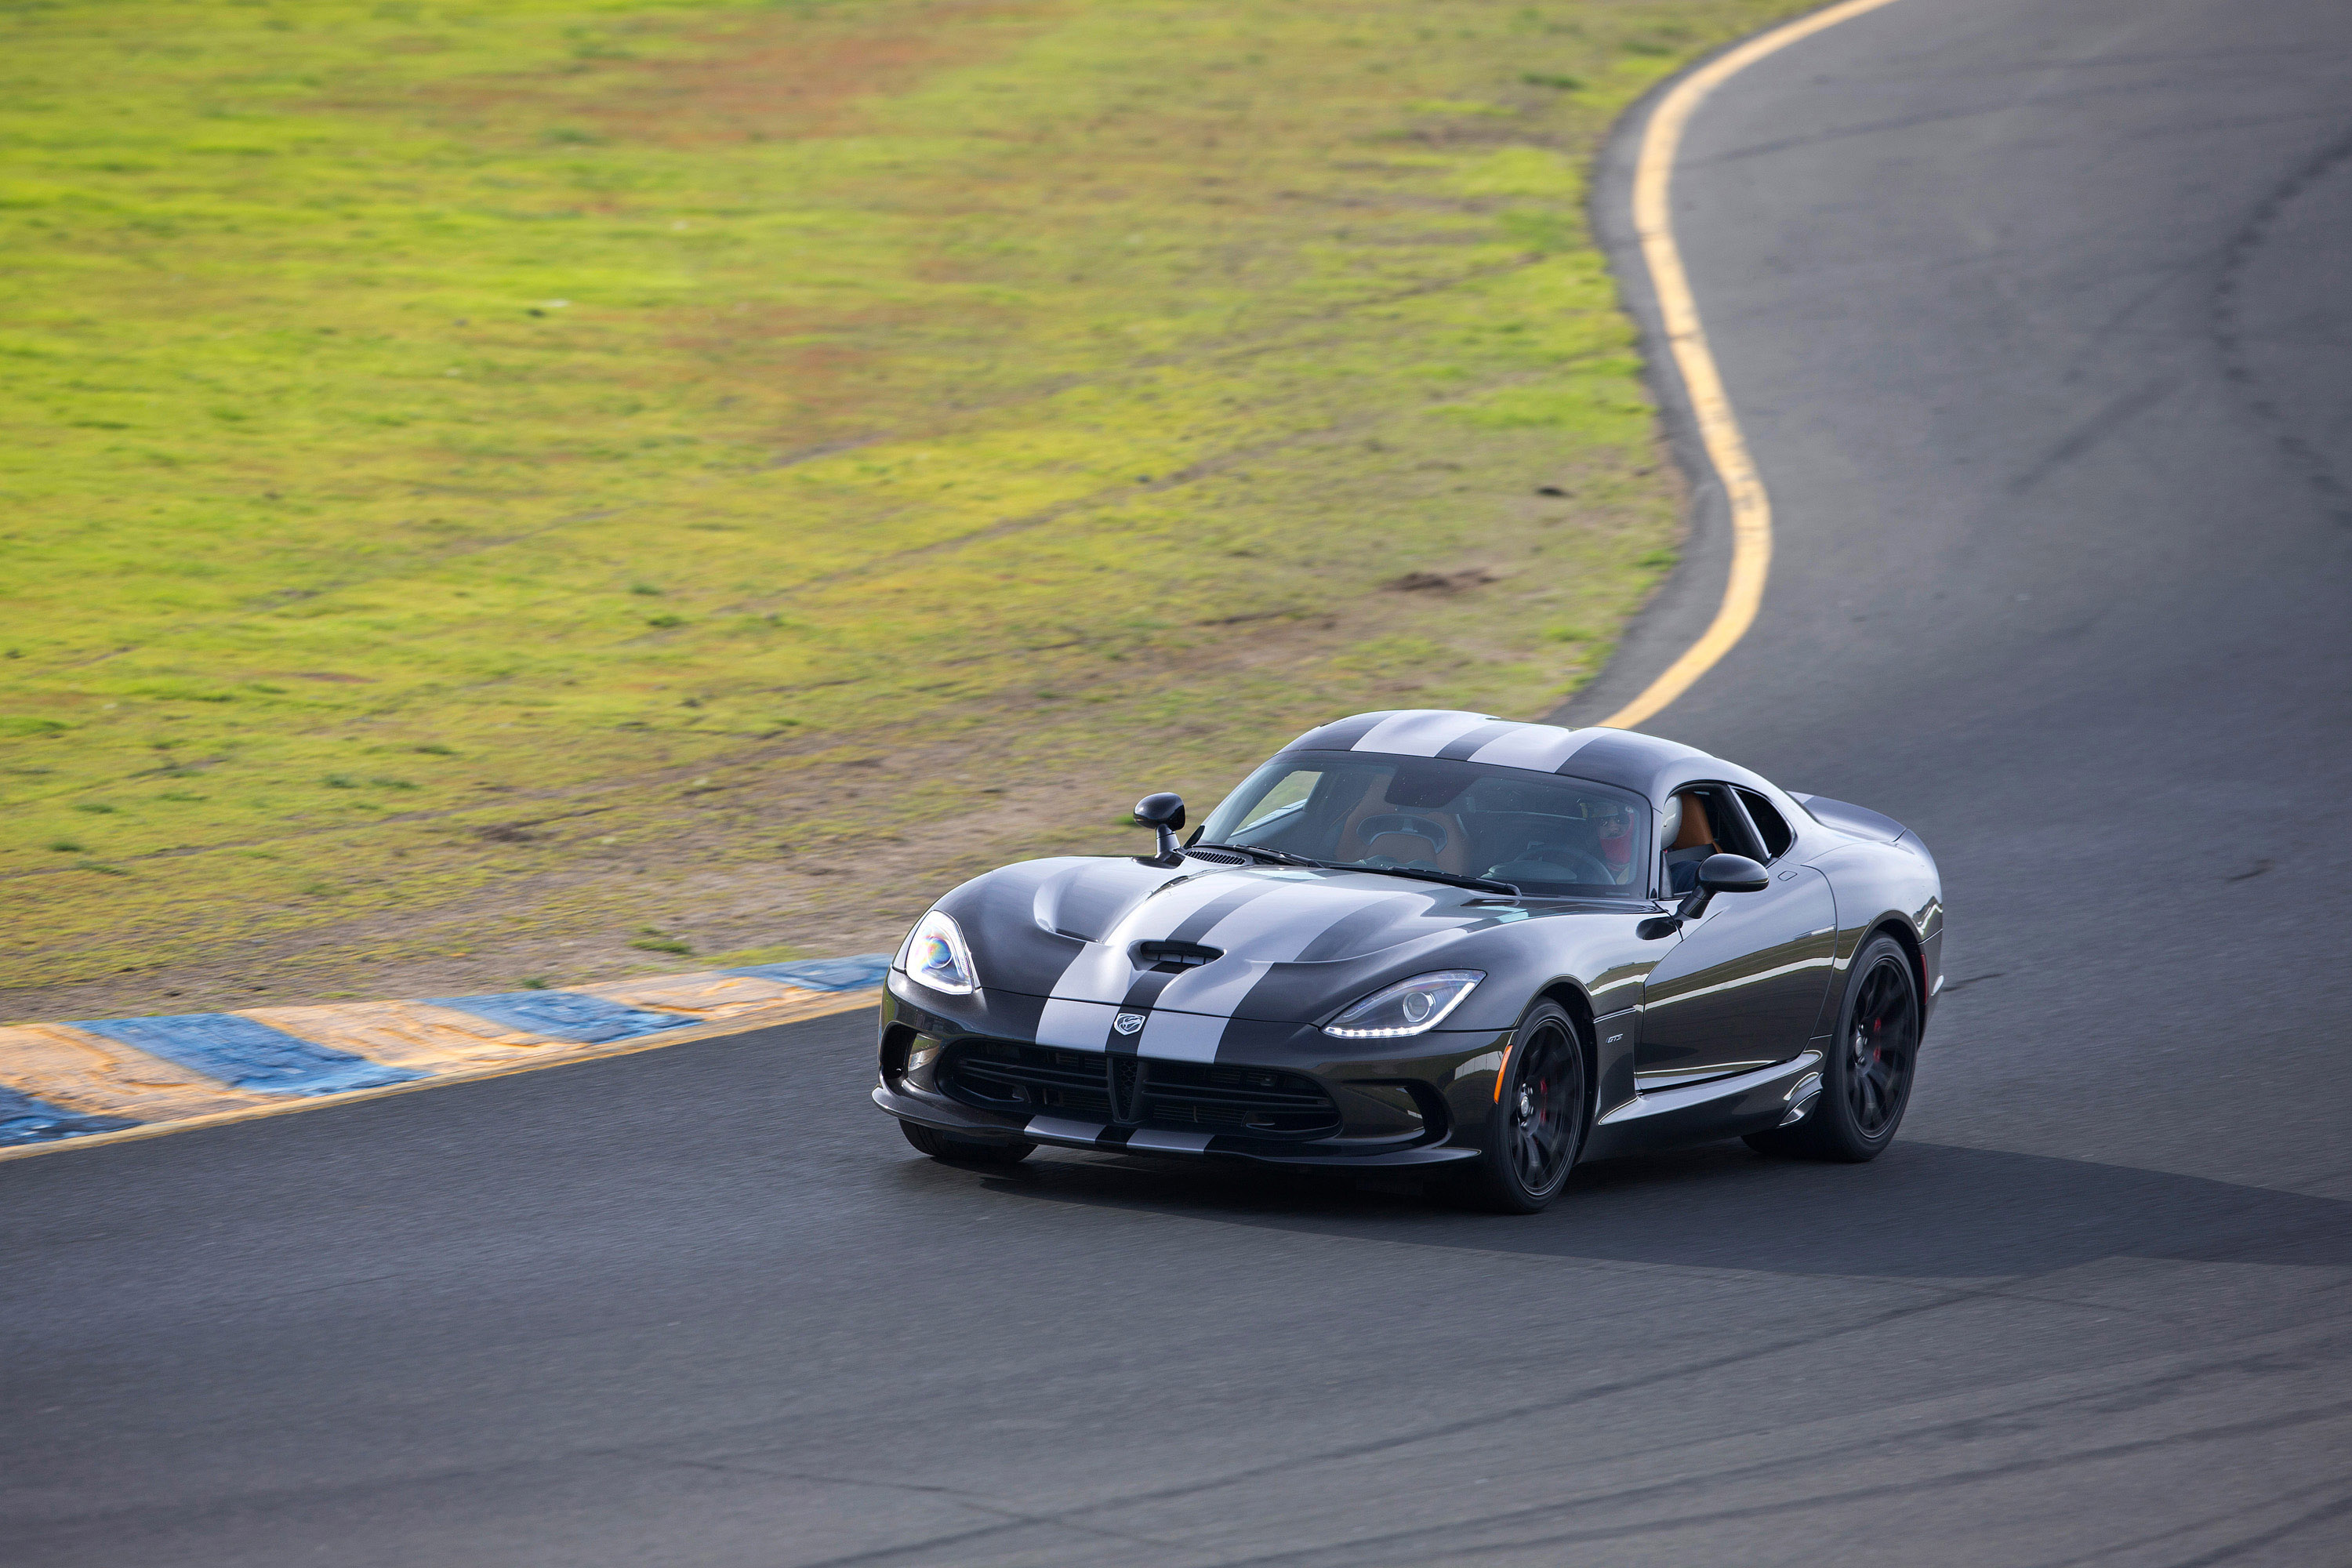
{"points": [[1555, 837]]}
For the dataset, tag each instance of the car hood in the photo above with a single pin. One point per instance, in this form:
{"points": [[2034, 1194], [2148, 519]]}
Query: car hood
{"points": [[1074, 930]]}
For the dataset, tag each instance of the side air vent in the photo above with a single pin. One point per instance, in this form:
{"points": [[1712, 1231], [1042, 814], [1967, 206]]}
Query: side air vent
{"points": [[1174, 955]]}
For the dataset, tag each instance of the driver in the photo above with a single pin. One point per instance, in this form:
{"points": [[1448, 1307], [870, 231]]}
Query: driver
{"points": [[1613, 826]]}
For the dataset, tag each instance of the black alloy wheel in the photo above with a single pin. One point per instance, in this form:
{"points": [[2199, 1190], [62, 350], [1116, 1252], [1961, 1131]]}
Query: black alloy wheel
{"points": [[1879, 1040], [1536, 1128], [957, 1151], [1866, 1075]]}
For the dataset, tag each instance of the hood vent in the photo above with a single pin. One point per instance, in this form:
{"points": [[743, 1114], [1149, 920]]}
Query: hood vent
{"points": [[1174, 957]]}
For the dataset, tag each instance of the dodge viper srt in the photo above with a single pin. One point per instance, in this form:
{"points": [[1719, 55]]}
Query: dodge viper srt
{"points": [[1434, 939]]}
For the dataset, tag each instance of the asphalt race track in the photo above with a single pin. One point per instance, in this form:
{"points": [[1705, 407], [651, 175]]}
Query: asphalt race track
{"points": [[2036, 313]]}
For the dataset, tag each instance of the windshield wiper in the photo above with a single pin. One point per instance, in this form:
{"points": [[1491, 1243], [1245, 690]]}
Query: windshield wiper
{"points": [[1272, 857], [1484, 884], [1285, 858]]}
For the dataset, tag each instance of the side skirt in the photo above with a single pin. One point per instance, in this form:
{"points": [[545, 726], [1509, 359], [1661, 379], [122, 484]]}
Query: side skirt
{"points": [[1699, 1113]]}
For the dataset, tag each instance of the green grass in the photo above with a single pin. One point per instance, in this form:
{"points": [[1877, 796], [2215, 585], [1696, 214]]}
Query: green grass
{"points": [[428, 431]]}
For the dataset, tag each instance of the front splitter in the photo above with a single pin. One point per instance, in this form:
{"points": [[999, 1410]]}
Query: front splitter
{"points": [[1063, 1132]]}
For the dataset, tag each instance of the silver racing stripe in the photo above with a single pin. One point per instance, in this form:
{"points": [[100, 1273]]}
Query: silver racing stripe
{"points": [[1100, 974], [1075, 1025], [1058, 1130], [1420, 732], [1092, 1027], [1182, 1036], [1279, 926], [1103, 971], [1274, 928], [1473, 737], [1340, 734], [1187, 1014], [1146, 1141], [1541, 747], [1091, 1135], [1217, 989]]}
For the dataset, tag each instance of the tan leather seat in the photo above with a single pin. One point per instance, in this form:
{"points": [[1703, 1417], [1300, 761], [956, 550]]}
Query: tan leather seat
{"points": [[1697, 830], [1403, 847], [1412, 847]]}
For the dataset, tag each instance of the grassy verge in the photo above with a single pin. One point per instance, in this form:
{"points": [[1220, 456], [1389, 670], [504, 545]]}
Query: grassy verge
{"points": [[520, 490]]}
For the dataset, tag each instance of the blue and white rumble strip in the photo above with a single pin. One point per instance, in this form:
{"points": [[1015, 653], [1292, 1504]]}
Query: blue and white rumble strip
{"points": [[119, 1077]]}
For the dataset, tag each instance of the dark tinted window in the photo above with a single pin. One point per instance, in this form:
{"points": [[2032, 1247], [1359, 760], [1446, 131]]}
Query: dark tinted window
{"points": [[1550, 835], [1768, 823]]}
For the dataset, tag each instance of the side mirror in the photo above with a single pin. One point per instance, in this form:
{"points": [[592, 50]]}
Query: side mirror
{"points": [[1716, 874], [1165, 813], [1723, 874], [1732, 874]]}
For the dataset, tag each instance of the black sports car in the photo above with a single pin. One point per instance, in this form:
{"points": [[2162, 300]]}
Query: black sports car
{"points": [[1434, 939]]}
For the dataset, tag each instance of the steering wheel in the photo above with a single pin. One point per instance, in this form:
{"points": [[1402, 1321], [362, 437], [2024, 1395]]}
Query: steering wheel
{"points": [[1430, 832], [1568, 858]]}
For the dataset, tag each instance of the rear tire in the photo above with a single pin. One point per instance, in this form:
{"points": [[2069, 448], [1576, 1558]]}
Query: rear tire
{"points": [[1537, 1128], [957, 1151], [1866, 1077]]}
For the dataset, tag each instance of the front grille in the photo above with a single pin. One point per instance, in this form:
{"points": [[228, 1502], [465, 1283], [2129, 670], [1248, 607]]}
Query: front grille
{"points": [[1002, 1076], [1127, 1089], [1141, 1091], [1259, 1100]]}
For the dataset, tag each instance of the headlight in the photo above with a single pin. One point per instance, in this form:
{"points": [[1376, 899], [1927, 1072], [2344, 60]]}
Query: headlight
{"points": [[1407, 1008], [937, 957]]}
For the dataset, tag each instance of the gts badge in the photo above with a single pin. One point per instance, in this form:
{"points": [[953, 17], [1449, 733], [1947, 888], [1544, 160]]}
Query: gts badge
{"points": [[1128, 1023]]}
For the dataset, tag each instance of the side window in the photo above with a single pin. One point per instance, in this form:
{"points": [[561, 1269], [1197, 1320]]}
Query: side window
{"points": [[1692, 832], [1770, 824], [1720, 818]]}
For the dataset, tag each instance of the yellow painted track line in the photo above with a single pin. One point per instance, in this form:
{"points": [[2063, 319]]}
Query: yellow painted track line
{"points": [[822, 1005], [1718, 428]]}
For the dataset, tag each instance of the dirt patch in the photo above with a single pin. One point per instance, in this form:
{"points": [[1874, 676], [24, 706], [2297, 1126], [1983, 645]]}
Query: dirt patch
{"points": [[1442, 582], [793, 74]]}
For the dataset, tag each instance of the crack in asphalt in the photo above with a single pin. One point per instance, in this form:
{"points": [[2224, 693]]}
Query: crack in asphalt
{"points": [[1944, 1434], [2173, 1533], [2147, 1392], [2236, 1549], [2227, 327], [1350, 1552], [1430, 1434], [2117, 414]]}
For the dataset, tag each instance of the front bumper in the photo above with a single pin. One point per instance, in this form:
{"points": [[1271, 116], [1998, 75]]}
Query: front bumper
{"points": [[1420, 1101]]}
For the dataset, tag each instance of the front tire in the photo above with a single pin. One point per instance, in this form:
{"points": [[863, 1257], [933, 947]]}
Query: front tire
{"points": [[957, 1151], [1536, 1128], [1866, 1077]]}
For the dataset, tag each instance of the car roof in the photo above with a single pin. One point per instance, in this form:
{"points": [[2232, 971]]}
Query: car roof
{"points": [[1645, 764]]}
